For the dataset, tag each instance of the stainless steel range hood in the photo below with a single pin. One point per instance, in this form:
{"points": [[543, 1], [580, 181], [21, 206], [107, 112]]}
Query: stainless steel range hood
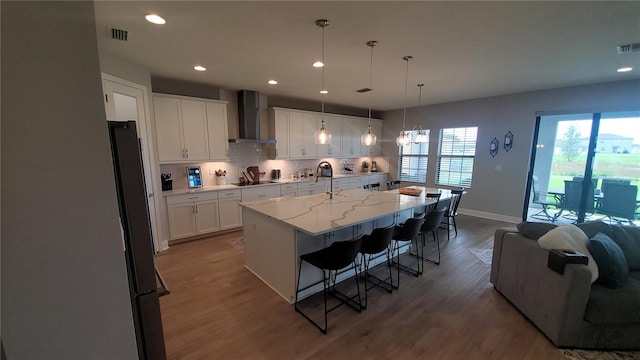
{"points": [[249, 119]]}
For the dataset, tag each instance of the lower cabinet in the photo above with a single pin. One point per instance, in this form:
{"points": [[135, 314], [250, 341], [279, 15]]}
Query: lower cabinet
{"points": [[230, 211], [289, 190], [191, 214]]}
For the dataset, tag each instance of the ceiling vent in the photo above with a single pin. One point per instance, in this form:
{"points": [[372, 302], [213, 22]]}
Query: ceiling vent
{"points": [[119, 34], [364, 90], [623, 49]]}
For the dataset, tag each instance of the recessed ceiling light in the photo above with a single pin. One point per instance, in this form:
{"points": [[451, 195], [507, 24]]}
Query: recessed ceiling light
{"points": [[625, 69], [318, 64], [272, 82], [156, 19], [324, 91], [199, 68]]}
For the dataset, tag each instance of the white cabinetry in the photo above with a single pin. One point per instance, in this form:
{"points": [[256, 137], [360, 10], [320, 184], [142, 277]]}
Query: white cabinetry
{"points": [[312, 187], [279, 130], [260, 192], [193, 214], [289, 190], [302, 126], [218, 130], [294, 131], [358, 181], [190, 129], [340, 183], [230, 211], [379, 178]]}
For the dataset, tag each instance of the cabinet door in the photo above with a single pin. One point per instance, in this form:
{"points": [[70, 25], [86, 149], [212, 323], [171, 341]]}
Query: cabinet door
{"points": [[218, 131], [281, 127], [168, 129], [207, 218], [333, 124], [310, 125], [351, 132], [296, 140], [182, 221], [194, 127], [230, 213]]}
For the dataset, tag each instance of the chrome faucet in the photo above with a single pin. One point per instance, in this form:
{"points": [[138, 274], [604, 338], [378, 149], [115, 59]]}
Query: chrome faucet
{"points": [[319, 171]]}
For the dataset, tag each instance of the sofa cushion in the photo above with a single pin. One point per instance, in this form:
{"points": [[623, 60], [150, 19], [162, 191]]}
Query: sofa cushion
{"points": [[627, 238], [614, 306], [570, 237], [534, 230], [612, 265]]}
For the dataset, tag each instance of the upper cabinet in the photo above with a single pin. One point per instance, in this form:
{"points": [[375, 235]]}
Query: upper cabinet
{"points": [[190, 129], [294, 131]]}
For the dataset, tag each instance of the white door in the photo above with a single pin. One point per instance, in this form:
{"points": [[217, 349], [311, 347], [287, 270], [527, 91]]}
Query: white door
{"points": [[125, 101]]}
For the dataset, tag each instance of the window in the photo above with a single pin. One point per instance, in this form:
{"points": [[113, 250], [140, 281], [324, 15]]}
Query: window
{"points": [[455, 156], [413, 160]]}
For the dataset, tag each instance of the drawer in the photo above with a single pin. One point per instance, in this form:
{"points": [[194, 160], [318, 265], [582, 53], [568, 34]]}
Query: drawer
{"points": [[381, 178], [229, 194], [260, 193], [192, 197], [310, 185], [341, 182], [288, 187]]}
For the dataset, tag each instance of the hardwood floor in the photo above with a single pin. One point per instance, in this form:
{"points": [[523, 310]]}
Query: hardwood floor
{"points": [[217, 309]]}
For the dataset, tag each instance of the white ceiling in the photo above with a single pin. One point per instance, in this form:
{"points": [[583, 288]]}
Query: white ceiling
{"points": [[462, 50]]}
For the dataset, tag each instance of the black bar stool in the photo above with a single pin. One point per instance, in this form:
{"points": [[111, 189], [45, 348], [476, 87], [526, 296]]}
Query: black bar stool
{"points": [[407, 232], [393, 184], [452, 211], [371, 187], [431, 224], [376, 245], [333, 258]]}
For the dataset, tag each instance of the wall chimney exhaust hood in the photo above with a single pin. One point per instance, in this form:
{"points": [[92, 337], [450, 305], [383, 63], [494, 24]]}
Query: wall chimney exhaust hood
{"points": [[249, 119]]}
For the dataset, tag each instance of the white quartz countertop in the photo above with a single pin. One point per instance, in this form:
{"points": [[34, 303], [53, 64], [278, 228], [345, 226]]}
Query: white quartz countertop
{"points": [[317, 214]]}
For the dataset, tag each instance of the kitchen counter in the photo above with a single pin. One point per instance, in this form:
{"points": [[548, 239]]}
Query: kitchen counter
{"points": [[277, 231], [274, 182]]}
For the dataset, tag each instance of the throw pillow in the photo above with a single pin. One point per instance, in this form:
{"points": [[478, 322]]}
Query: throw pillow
{"points": [[534, 230], [612, 264], [627, 238], [570, 237]]}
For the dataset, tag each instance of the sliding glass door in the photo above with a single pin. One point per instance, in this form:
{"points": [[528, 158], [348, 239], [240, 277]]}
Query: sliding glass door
{"points": [[584, 166]]}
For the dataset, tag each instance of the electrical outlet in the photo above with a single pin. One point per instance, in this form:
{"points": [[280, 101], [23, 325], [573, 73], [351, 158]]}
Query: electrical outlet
{"points": [[211, 172]]}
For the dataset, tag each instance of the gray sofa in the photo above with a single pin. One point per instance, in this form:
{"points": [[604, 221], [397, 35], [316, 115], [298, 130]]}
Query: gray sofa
{"points": [[567, 308]]}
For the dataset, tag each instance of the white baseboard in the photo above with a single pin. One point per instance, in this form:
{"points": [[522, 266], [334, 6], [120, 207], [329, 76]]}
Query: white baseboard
{"points": [[490, 216]]}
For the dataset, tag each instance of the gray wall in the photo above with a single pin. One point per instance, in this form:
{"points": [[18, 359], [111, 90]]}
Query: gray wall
{"points": [[497, 193], [64, 282]]}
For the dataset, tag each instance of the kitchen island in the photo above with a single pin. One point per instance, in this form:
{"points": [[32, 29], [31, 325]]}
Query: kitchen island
{"points": [[277, 231]]}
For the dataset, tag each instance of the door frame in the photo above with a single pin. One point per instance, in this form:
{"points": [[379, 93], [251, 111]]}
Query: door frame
{"points": [[148, 157]]}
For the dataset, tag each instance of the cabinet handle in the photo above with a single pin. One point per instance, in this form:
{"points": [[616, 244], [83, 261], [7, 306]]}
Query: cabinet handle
{"points": [[194, 197], [187, 151]]}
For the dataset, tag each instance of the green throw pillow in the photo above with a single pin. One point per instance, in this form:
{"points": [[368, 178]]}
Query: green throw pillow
{"points": [[612, 265]]}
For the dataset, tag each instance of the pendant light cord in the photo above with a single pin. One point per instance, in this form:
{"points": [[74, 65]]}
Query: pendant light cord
{"points": [[373, 43], [406, 81], [323, 66]]}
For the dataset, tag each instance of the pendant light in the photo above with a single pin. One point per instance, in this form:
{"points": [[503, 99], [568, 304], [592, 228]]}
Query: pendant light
{"points": [[422, 136], [405, 136], [322, 136], [369, 138]]}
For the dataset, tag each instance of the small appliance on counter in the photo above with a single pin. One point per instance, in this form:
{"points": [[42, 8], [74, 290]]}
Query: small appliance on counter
{"points": [[276, 174], [194, 177], [308, 172], [167, 182], [325, 170], [374, 166], [254, 174]]}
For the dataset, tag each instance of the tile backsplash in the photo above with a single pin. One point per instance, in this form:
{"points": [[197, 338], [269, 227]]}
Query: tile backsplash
{"points": [[244, 155]]}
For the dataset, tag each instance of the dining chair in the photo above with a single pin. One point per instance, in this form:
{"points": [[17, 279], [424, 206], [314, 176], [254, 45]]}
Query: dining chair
{"points": [[393, 184], [573, 196], [407, 233], [452, 212], [431, 224]]}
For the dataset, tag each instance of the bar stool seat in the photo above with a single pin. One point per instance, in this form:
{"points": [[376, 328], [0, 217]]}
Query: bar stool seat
{"points": [[337, 256], [431, 224], [376, 245], [407, 232]]}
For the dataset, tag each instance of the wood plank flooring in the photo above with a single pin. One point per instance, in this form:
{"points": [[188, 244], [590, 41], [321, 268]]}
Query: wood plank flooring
{"points": [[219, 310]]}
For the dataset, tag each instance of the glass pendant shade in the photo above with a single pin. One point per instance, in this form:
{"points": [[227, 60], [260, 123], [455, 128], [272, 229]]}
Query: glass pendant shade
{"points": [[322, 136], [421, 137], [368, 138], [403, 139]]}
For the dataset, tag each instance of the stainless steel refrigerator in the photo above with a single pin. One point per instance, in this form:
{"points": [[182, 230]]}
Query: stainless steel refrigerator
{"points": [[134, 217]]}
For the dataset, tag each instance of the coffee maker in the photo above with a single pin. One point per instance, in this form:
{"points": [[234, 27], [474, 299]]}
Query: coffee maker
{"points": [[374, 166]]}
